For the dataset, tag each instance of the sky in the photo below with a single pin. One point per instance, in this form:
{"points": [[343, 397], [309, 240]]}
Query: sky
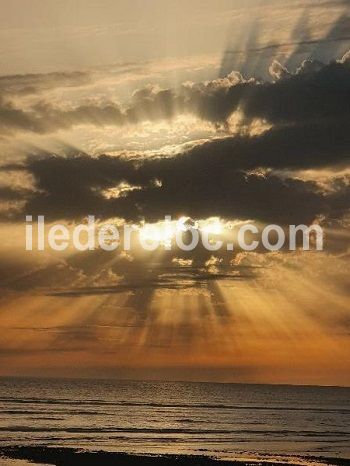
{"points": [[223, 112]]}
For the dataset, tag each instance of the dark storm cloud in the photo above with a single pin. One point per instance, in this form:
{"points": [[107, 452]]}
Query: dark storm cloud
{"points": [[304, 96], [212, 179], [315, 91], [309, 111], [313, 145]]}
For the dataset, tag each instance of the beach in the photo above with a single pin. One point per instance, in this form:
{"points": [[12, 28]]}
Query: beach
{"points": [[67, 456], [82, 421]]}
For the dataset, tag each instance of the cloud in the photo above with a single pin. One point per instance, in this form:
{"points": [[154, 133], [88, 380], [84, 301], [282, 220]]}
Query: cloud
{"points": [[26, 84], [315, 91], [44, 118], [212, 179], [308, 113], [277, 70]]}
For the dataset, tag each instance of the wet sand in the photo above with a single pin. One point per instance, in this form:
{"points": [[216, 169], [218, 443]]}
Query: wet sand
{"points": [[74, 457]]}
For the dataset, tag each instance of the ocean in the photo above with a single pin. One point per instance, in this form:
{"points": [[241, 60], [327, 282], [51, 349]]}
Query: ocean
{"points": [[221, 420]]}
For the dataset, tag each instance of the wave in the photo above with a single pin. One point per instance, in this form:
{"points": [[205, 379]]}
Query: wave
{"points": [[131, 430], [70, 402]]}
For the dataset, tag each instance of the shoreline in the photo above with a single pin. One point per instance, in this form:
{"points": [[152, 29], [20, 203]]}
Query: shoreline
{"points": [[64, 456]]}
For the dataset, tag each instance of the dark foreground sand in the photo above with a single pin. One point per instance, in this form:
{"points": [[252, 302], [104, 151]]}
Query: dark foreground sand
{"points": [[73, 457]]}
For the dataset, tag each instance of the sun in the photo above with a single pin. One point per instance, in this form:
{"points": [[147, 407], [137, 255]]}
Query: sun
{"points": [[164, 232], [161, 233]]}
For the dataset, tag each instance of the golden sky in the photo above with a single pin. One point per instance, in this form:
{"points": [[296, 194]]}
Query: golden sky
{"points": [[227, 109]]}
